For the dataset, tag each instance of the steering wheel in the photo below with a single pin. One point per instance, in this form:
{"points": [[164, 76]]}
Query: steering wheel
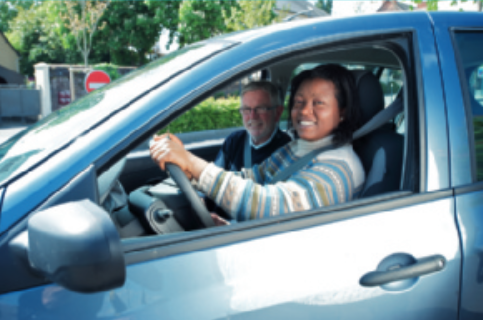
{"points": [[185, 186]]}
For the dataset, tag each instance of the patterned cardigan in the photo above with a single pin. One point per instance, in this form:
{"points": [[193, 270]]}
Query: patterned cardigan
{"points": [[332, 177]]}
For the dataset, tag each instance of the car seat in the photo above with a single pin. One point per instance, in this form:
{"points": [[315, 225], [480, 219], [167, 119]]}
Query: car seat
{"points": [[381, 151]]}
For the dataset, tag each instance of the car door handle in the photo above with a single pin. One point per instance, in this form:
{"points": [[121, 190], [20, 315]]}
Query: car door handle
{"points": [[420, 267]]}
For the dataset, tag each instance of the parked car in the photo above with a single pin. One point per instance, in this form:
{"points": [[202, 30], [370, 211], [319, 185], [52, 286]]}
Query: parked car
{"points": [[410, 248]]}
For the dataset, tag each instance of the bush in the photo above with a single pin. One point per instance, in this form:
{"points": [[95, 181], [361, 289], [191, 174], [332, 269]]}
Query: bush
{"points": [[110, 69], [210, 114]]}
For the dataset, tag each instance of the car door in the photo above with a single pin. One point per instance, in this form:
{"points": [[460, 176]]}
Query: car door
{"points": [[348, 261], [462, 53], [323, 263]]}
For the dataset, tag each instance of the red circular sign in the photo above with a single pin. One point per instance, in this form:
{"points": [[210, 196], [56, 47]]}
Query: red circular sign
{"points": [[96, 79]]}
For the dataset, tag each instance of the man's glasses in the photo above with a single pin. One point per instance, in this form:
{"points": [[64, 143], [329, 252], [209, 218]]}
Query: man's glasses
{"points": [[258, 110]]}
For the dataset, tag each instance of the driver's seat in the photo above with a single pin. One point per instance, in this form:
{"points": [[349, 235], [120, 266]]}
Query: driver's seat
{"points": [[381, 151]]}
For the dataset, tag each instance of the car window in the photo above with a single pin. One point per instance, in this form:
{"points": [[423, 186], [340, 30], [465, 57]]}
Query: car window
{"points": [[390, 78], [391, 82], [471, 54], [218, 111], [223, 103]]}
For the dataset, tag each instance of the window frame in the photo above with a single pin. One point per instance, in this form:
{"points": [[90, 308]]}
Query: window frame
{"points": [[310, 218], [464, 86]]}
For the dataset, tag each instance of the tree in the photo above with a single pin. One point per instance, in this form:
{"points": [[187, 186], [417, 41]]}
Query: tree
{"points": [[9, 11], [432, 5], [325, 5], [82, 19], [202, 19], [250, 14], [131, 30], [33, 33]]}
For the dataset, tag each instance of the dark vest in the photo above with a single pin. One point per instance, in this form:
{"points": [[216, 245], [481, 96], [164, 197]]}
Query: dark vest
{"points": [[230, 156]]}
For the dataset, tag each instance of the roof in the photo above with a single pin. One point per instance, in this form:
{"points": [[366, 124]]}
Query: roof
{"points": [[9, 44], [393, 6]]}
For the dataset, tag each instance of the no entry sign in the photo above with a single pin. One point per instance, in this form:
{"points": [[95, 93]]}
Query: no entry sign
{"points": [[96, 79]]}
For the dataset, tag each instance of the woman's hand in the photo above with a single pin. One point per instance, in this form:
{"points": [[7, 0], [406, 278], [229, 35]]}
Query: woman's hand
{"points": [[219, 221], [169, 148]]}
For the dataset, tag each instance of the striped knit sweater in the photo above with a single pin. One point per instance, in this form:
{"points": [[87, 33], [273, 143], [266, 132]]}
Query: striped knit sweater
{"points": [[334, 176]]}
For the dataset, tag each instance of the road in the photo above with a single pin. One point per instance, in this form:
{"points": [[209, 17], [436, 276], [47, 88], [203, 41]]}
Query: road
{"points": [[10, 128]]}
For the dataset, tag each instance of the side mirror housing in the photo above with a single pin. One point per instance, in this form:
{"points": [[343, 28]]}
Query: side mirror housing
{"points": [[77, 246]]}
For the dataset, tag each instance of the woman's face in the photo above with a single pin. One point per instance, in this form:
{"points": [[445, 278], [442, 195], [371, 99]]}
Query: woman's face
{"points": [[315, 113]]}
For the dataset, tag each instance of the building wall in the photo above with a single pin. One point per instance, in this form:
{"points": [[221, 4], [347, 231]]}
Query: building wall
{"points": [[8, 57]]}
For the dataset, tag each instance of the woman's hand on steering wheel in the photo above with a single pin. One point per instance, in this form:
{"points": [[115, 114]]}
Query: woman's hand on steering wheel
{"points": [[219, 221], [169, 148]]}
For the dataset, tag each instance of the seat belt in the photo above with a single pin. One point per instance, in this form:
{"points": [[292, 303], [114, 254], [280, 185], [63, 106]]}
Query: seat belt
{"points": [[299, 164], [247, 153], [381, 118]]}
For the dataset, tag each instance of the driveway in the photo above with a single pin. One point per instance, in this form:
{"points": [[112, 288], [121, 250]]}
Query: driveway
{"points": [[10, 127]]}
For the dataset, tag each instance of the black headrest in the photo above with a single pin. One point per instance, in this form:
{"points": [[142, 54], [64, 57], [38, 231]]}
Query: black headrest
{"points": [[371, 97]]}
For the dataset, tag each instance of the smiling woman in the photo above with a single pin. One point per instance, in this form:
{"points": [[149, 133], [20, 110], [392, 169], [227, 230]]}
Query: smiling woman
{"points": [[324, 113]]}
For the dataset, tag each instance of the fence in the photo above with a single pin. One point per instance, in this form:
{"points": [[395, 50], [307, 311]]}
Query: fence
{"points": [[62, 84], [19, 101]]}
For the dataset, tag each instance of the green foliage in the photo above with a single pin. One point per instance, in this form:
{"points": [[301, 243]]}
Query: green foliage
{"points": [[210, 114], [432, 5], [110, 69], [34, 33], [250, 14], [9, 11], [325, 5], [82, 19], [131, 30], [202, 19], [39, 34]]}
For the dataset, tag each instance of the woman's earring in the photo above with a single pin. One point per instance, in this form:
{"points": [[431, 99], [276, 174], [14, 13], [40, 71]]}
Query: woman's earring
{"points": [[341, 118]]}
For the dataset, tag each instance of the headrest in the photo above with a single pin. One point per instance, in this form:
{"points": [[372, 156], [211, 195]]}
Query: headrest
{"points": [[371, 97]]}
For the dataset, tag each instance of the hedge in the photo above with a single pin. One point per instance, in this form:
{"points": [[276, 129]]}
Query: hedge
{"points": [[210, 114], [110, 69]]}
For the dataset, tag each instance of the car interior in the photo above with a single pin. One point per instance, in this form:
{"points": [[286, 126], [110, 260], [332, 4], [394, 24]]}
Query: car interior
{"points": [[142, 201]]}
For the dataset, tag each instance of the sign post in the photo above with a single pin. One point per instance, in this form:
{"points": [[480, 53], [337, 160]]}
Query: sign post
{"points": [[95, 80]]}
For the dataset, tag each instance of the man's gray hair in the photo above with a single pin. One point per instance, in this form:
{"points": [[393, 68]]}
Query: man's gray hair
{"points": [[266, 86]]}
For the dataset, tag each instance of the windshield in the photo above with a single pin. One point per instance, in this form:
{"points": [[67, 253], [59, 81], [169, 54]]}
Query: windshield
{"points": [[55, 131]]}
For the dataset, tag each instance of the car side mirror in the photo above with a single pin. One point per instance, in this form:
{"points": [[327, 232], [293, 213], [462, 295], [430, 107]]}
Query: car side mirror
{"points": [[75, 245]]}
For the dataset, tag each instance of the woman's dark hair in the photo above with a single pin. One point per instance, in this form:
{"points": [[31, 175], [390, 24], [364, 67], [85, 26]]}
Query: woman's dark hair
{"points": [[345, 93]]}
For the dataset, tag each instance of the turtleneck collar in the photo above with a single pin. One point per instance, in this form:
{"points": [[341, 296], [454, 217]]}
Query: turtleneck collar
{"points": [[302, 147]]}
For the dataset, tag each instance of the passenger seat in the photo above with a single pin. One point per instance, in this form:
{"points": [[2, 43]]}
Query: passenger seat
{"points": [[381, 151]]}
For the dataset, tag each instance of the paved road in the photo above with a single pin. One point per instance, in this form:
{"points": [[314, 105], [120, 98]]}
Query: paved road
{"points": [[9, 128]]}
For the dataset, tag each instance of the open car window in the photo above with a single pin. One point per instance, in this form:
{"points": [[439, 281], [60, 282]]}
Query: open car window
{"points": [[384, 64]]}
